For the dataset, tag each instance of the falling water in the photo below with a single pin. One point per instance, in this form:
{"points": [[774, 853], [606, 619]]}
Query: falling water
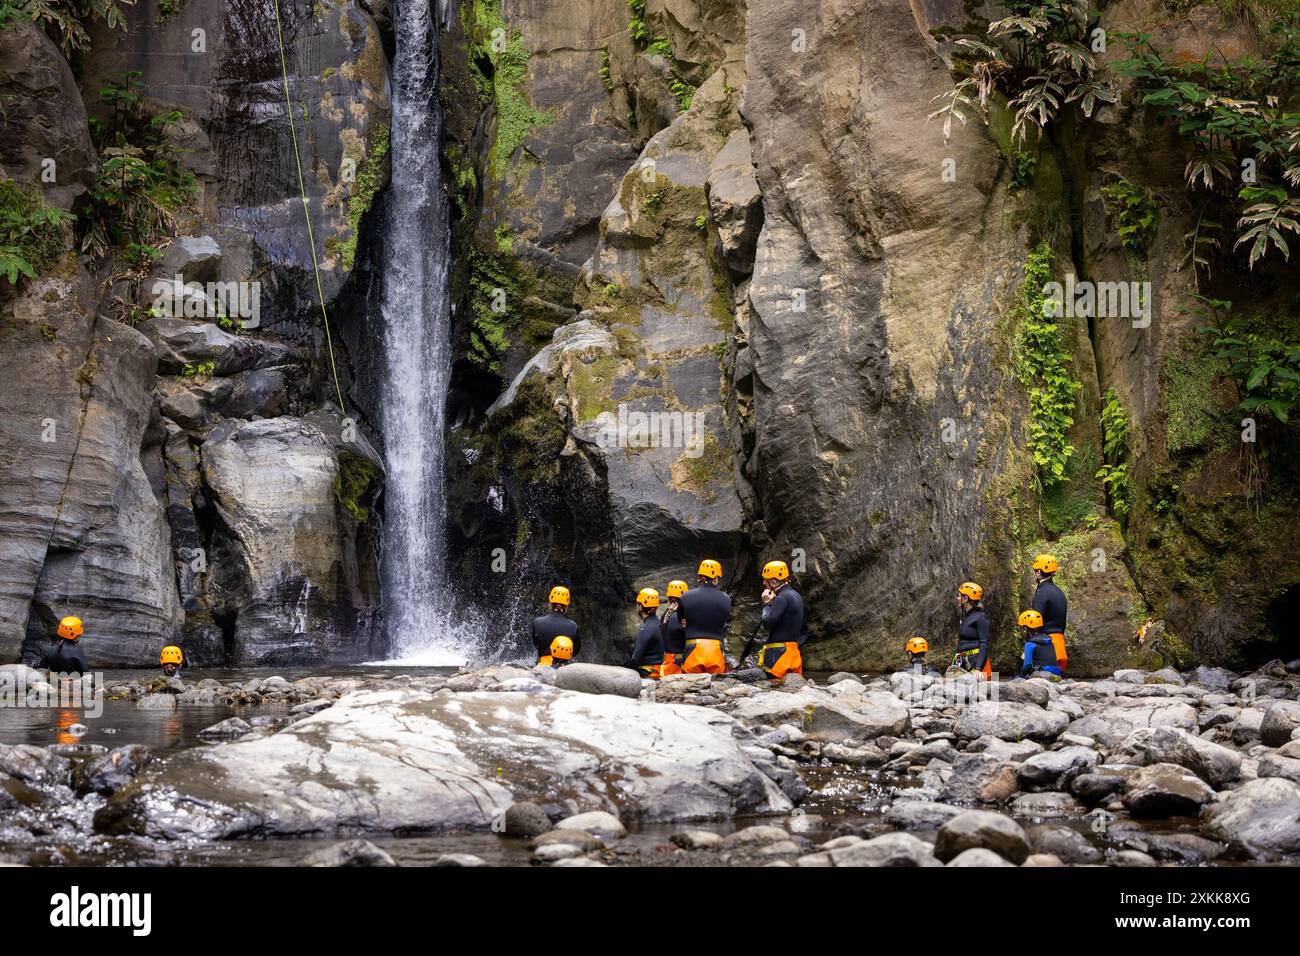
{"points": [[414, 303]]}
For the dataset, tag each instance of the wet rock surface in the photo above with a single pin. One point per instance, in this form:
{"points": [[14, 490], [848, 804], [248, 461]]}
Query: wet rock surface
{"points": [[581, 777]]}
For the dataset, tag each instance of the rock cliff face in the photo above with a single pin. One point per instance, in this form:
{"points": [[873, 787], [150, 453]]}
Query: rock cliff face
{"points": [[792, 209], [171, 476], [722, 287]]}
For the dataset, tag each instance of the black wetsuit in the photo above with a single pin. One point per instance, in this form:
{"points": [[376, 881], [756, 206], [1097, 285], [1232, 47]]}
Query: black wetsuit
{"points": [[1049, 601], [974, 635], [705, 612], [784, 619], [673, 635], [550, 626], [65, 657], [649, 648]]}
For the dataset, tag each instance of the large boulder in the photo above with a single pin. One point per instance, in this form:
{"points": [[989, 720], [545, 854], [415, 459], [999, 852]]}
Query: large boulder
{"points": [[827, 717], [1214, 763], [982, 829], [1111, 725], [1009, 721], [599, 679], [292, 567], [406, 760], [1281, 720], [1166, 790], [1260, 819]]}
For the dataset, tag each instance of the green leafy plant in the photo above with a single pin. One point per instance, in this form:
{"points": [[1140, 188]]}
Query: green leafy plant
{"points": [[652, 203], [140, 185], [199, 369], [636, 26], [1136, 215], [1264, 369], [1042, 365], [1038, 58], [65, 20], [1023, 168], [499, 71], [31, 237], [1242, 129], [1114, 444]]}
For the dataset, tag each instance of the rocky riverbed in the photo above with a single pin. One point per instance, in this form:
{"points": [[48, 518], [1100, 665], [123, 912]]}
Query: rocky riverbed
{"points": [[590, 765]]}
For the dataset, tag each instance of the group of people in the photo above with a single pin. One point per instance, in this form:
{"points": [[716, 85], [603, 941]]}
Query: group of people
{"points": [[689, 635], [65, 655], [1042, 629]]}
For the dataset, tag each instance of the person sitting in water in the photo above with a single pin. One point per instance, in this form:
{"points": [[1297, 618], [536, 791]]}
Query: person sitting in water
{"points": [[648, 648], [917, 648], [171, 660], [1040, 652], [66, 656], [561, 652], [556, 624]]}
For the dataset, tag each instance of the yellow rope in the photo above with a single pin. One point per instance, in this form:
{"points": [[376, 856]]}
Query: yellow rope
{"points": [[306, 210]]}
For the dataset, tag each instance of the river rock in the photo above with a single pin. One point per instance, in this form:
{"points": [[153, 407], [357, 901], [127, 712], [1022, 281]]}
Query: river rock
{"points": [[1258, 820], [111, 771], [1166, 790], [162, 701], [1066, 844], [1054, 769], [1050, 804], [1215, 764], [597, 823], [978, 856], [1110, 725], [892, 849], [920, 814], [554, 852], [1185, 848], [984, 829], [587, 842], [1009, 721], [458, 859], [1093, 788], [230, 727], [1276, 765], [599, 679], [350, 853], [979, 778], [402, 759], [1214, 678], [524, 819], [34, 765], [1281, 720], [824, 717], [696, 840]]}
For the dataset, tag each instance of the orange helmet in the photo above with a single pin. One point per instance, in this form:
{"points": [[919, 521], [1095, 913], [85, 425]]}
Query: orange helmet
{"points": [[677, 588], [1046, 563], [1030, 619], [971, 590], [171, 654], [70, 628], [562, 648], [777, 570], [710, 569], [560, 595], [917, 645], [648, 598]]}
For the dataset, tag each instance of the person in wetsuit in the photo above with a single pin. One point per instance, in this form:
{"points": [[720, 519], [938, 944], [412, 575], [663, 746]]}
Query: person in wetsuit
{"points": [[973, 631], [1040, 654], [672, 632], [1049, 601], [555, 624], [917, 648], [783, 616], [648, 647], [705, 614], [66, 656]]}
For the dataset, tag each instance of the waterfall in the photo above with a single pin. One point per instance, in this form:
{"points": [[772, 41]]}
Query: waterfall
{"points": [[415, 246]]}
